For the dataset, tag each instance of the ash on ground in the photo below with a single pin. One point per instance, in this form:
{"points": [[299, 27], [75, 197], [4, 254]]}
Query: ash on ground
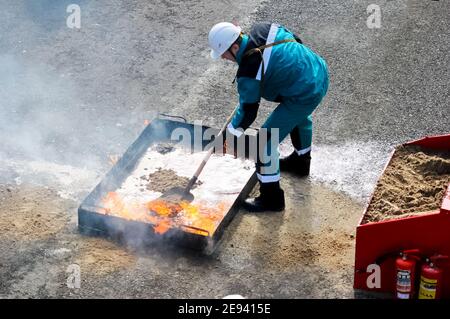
{"points": [[414, 183], [164, 179]]}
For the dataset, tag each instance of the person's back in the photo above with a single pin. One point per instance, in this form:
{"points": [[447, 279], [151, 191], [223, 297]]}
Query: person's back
{"points": [[292, 69]]}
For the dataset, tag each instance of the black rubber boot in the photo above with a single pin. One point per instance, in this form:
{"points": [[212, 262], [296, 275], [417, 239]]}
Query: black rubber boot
{"points": [[297, 164], [271, 198]]}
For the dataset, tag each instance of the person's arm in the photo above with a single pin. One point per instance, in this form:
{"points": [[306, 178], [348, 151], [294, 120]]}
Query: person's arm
{"points": [[249, 97]]}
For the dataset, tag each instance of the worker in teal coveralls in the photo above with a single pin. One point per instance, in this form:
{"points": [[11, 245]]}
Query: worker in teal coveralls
{"points": [[273, 64]]}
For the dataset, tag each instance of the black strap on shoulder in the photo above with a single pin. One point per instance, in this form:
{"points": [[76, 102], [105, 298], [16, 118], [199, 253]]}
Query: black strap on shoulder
{"points": [[260, 51], [262, 47]]}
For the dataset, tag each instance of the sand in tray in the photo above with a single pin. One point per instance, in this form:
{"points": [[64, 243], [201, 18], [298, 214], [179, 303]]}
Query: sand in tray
{"points": [[164, 179]]}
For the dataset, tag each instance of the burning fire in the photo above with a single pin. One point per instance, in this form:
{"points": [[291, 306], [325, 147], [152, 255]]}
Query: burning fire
{"points": [[198, 219]]}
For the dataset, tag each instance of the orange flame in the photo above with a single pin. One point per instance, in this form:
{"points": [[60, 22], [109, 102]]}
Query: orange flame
{"points": [[163, 208], [198, 219], [162, 227]]}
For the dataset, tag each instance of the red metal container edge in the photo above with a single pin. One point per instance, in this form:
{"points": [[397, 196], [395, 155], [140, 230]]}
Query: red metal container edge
{"points": [[380, 242]]}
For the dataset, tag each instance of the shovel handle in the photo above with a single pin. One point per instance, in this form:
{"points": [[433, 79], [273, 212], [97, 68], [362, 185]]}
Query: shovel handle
{"points": [[208, 155]]}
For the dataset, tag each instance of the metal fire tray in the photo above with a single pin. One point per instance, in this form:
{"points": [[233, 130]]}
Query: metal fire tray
{"points": [[94, 219]]}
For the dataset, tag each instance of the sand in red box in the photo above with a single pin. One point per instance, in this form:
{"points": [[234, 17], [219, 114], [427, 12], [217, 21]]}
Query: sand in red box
{"points": [[413, 183]]}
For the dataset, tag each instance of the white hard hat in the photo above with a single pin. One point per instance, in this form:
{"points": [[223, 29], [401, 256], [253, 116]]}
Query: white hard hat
{"points": [[221, 37]]}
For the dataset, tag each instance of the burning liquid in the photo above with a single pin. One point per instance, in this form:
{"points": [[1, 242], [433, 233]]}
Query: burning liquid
{"points": [[198, 219]]}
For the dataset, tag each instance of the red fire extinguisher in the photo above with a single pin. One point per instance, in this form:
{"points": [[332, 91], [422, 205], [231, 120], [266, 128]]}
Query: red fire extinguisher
{"points": [[406, 266], [431, 278]]}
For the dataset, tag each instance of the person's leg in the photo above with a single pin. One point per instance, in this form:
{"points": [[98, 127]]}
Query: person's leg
{"points": [[278, 125], [301, 135], [300, 159]]}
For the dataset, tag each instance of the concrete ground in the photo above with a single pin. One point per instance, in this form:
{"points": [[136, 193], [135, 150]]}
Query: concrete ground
{"points": [[73, 99]]}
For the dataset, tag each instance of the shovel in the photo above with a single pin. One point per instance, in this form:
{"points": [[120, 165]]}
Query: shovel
{"points": [[178, 194]]}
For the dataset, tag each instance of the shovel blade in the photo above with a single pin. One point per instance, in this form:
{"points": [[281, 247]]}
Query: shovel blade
{"points": [[176, 195]]}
